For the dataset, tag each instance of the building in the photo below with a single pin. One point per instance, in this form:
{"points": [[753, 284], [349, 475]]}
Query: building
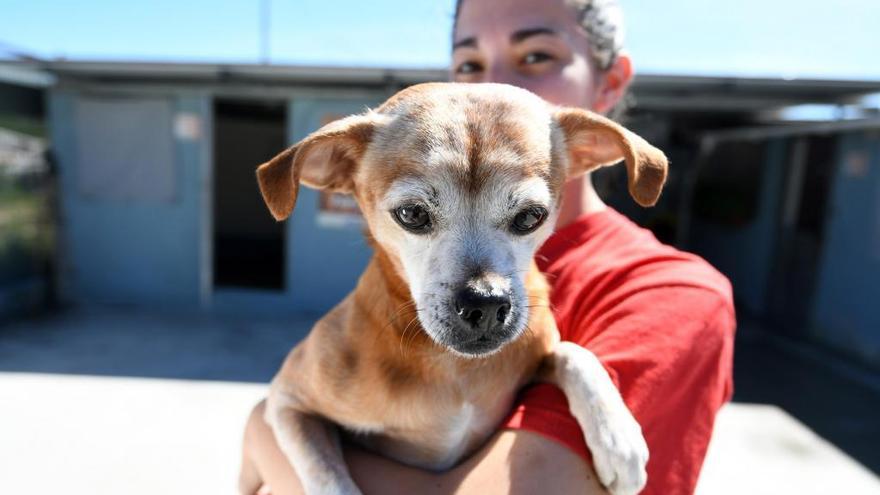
{"points": [[26, 236], [160, 209]]}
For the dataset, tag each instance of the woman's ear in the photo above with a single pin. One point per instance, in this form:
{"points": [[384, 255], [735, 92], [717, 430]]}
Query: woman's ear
{"points": [[326, 159], [593, 141], [612, 83]]}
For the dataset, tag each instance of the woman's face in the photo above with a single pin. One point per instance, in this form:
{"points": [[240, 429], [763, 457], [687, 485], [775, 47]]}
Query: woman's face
{"points": [[534, 44]]}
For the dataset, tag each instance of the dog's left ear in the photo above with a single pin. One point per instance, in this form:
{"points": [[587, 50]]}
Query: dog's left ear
{"points": [[326, 159], [594, 141]]}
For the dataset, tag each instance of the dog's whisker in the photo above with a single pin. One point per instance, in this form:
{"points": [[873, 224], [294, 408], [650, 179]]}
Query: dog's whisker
{"points": [[413, 337], [414, 334], [409, 305], [403, 344], [403, 307]]}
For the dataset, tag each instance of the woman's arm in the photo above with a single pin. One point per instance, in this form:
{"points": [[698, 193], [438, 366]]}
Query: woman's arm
{"points": [[514, 462]]}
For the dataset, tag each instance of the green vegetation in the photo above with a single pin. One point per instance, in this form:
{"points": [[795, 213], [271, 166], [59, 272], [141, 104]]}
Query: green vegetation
{"points": [[26, 231], [25, 125]]}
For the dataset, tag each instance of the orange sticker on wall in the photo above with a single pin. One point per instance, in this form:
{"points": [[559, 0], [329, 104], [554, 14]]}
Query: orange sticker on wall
{"points": [[337, 210]]}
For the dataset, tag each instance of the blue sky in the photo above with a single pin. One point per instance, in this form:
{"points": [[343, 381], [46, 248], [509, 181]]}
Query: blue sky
{"points": [[773, 38]]}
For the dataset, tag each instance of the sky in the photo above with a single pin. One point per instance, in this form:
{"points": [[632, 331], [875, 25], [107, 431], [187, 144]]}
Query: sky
{"points": [[760, 38]]}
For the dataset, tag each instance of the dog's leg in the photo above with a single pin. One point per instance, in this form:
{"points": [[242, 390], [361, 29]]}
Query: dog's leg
{"points": [[312, 446], [612, 434]]}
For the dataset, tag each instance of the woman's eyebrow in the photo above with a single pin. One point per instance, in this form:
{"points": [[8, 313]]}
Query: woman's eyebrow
{"points": [[516, 37], [523, 34], [467, 42]]}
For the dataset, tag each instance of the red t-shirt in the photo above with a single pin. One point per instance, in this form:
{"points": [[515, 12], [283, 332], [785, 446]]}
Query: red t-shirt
{"points": [[662, 323]]}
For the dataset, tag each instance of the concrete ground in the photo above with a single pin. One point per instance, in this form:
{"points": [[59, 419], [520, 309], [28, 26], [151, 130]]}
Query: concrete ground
{"points": [[837, 398], [88, 435], [122, 402]]}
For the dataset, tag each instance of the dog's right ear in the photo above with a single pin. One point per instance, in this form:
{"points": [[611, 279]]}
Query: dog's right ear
{"points": [[326, 159], [594, 141]]}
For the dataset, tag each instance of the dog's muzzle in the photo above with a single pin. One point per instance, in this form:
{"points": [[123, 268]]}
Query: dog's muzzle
{"points": [[481, 313], [483, 320]]}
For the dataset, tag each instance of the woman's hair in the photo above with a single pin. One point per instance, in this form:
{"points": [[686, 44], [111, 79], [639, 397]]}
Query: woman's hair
{"points": [[603, 21]]}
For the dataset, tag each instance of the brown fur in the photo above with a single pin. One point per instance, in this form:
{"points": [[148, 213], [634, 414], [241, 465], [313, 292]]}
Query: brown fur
{"points": [[342, 143], [368, 364], [594, 141], [403, 380]]}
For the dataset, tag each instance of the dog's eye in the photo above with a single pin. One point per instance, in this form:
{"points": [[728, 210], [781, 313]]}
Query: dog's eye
{"points": [[526, 221], [413, 218]]}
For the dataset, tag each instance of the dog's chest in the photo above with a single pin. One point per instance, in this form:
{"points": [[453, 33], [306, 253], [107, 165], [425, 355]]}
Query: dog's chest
{"points": [[436, 435]]}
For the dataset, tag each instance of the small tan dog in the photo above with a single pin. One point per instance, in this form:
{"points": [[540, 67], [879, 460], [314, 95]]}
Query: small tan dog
{"points": [[459, 185]]}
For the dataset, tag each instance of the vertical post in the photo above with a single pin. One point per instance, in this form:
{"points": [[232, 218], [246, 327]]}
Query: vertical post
{"points": [[265, 25], [206, 203], [795, 186]]}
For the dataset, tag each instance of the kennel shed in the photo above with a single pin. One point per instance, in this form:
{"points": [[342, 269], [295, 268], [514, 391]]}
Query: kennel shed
{"points": [[159, 204], [160, 208]]}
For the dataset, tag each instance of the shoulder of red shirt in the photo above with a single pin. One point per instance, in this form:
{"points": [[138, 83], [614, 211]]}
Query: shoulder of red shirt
{"points": [[602, 258], [660, 320]]}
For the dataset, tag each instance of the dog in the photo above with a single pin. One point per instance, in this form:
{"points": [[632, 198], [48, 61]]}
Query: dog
{"points": [[459, 184]]}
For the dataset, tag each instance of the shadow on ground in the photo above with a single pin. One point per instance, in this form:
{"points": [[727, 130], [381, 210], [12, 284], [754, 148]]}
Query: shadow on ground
{"points": [[121, 343], [836, 399]]}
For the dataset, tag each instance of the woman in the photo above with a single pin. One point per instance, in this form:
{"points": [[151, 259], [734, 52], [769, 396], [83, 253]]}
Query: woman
{"points": [[660, 320]]}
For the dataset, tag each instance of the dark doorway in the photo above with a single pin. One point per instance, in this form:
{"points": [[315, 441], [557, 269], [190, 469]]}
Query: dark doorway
{"points": [[810, 172], [248, 242]]}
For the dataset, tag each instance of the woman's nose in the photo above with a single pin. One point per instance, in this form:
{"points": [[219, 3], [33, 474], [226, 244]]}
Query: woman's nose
{"points": [[501, 73], [505, 74]]}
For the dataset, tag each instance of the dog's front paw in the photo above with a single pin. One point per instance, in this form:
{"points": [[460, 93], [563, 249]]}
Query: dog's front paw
{"points": [[613, 435], [620, 453]]}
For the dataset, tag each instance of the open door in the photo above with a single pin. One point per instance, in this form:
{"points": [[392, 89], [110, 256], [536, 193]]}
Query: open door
{"points": [[809, 174], [248, 242]]}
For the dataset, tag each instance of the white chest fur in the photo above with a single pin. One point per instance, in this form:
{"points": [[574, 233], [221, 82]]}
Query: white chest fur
{"points": [[436, 441], [463, 428]]}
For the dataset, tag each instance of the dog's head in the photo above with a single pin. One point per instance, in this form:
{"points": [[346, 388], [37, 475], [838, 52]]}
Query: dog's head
{"points": [[459, 185]]}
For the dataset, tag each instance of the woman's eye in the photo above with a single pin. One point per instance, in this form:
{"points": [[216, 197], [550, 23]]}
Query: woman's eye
{"points": [[528, 220], [536, 58], [468, 68], [413, 218]]}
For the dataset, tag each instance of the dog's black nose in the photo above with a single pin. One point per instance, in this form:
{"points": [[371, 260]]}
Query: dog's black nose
{"points": [[481, 311]]}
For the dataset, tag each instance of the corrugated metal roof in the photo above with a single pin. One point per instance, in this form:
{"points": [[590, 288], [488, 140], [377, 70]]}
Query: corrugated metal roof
{"points": [[652, 91], [203, 72], [25, 76]]}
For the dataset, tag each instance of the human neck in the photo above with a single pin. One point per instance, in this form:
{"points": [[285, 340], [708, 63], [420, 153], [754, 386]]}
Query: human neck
{"points": [[578, 198]]}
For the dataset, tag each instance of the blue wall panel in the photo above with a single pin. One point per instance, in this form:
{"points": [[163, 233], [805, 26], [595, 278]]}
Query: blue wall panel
{"points": [[137, 251], [745, 254], [847, 309], [324, 262]]}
